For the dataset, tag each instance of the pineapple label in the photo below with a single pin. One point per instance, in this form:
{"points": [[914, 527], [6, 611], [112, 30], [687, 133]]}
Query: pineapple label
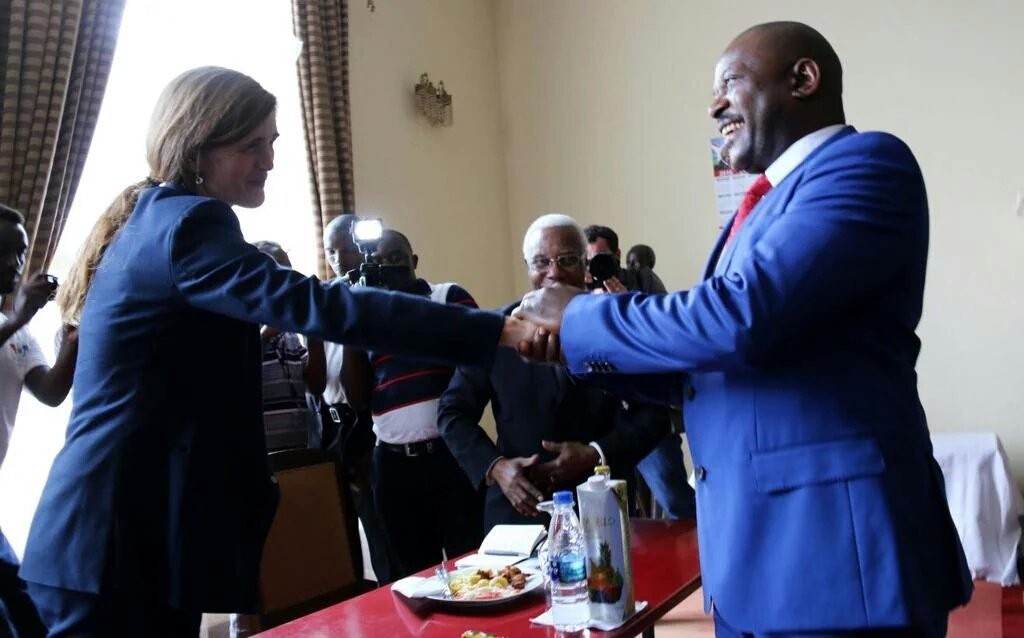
{"points": [[605, 521]]}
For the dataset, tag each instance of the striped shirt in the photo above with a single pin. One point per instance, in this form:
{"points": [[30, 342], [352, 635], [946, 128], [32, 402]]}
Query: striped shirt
{"points": [[287, 418], [406, 391]]}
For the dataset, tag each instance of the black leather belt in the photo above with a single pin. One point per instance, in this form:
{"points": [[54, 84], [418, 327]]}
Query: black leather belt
{"points": [[418, 448]]}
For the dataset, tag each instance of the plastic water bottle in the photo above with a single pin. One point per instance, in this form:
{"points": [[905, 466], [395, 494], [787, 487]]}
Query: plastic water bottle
{"points": [[570, 609]]}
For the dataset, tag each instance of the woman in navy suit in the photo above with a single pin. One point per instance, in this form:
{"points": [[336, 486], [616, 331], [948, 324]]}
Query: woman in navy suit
{"points": [[157, 507]]}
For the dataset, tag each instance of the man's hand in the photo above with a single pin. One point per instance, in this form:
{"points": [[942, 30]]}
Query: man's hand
{"points": [[34, 293], [510, 476], [516, 331], [612, 285], [543, 348], [574, 462], [545, 306]]}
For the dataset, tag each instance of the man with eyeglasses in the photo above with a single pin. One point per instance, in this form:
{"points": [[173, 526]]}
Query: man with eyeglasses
{"points": [[552, 429]]}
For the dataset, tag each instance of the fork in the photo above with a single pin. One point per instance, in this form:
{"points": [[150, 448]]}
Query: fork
{"points": [[443, 575]]}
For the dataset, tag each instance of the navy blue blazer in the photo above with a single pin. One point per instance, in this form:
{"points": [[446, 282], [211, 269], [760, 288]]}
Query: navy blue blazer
{"points": [[163, 480], [531, 403], [819, 503]]}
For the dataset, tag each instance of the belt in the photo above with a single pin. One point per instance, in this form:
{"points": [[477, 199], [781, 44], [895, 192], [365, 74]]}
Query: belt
{"points": [[417, 448]]}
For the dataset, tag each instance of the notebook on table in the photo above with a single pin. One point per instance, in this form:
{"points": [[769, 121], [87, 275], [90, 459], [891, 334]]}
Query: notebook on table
{"points": [[505, 545]]}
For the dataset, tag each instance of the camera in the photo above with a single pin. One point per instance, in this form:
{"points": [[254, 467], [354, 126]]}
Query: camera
{"points": [[53, 283], [602, 266], [367, 233]]}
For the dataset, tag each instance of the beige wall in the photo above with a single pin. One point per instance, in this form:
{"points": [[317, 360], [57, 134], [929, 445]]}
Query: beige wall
{"points": [[443, 187], [605, 118], [602, 114]]}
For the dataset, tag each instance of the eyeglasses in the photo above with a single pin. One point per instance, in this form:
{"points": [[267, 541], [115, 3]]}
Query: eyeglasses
{"points": [[565, 262]]}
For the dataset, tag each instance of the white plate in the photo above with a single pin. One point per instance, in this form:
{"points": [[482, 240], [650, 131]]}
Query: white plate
{"points": [[534, 581]]}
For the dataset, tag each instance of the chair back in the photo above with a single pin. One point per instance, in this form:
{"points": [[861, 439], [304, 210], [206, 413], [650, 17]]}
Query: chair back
{"points": [[307, 562]]}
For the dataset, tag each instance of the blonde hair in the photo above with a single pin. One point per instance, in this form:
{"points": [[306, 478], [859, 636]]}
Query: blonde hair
{"points": [[199, 110]]}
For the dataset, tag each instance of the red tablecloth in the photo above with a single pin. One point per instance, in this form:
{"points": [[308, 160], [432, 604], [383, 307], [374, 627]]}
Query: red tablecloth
{"points": [[665, 567]]}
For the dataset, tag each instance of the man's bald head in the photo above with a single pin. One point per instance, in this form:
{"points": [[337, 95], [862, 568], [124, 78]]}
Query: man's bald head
{"points": [[775, 83], [339, 247], [788, 42]]}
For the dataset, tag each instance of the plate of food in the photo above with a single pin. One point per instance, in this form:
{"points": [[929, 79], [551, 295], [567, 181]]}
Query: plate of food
{"points": [[473, 587]]}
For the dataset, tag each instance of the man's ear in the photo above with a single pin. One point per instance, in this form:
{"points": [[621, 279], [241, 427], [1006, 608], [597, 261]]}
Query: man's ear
{"points": [[415, 262], [805, 78]]}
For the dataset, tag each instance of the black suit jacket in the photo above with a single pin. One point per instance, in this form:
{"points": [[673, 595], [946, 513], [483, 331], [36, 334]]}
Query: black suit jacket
{"points": [[532, 403]]}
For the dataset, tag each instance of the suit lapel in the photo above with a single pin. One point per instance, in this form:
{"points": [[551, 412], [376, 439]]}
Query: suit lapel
{"points": [[716, 252], [722, 253]]}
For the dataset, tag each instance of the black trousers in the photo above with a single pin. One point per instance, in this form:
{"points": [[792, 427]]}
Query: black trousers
{"points": [[425, 503]]}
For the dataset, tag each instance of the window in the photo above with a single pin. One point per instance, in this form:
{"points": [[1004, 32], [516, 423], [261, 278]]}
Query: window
{"points": [[159, 40]]}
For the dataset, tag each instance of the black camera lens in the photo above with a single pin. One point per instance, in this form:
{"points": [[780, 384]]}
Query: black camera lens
{"points": [[603, 266], [52, 282]]}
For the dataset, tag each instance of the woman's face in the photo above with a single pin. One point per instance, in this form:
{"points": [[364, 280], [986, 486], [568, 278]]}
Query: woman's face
{"points": [[236, 173]]}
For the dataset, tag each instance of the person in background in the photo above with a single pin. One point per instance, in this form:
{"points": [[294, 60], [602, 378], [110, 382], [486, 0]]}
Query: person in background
{"points": [[640, 256], [552, 430], [348, 434], [290, 370], [640, 259], [821, 510], [158, 505], [423, 499], [602, 239], [22, 364], [664, 469]]}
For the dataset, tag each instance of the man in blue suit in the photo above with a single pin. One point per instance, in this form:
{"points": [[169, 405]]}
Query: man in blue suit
{"points": [[820, 509]]}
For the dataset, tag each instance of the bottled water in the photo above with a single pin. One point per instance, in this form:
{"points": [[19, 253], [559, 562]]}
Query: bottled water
{"points": [[570, 609]]}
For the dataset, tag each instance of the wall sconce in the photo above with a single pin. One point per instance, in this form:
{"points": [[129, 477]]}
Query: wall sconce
{"points": [[432, 102]]}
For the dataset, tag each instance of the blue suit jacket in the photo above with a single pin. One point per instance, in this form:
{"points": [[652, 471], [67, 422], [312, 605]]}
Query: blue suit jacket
{"points": [[163, 481], [819, 503]]}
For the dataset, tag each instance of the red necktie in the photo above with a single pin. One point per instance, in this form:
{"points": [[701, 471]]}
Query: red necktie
{"points": [[757, 190]]}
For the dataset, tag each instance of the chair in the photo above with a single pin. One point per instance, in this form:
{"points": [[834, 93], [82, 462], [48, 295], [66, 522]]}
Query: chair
{"points": [[307, 564]]}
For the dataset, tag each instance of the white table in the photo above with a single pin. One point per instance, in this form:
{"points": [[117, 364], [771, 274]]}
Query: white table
{"points": [[984, 500]]}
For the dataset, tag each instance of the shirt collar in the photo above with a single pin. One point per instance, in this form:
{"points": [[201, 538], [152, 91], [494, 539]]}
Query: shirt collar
{"points": [[798, 151]]}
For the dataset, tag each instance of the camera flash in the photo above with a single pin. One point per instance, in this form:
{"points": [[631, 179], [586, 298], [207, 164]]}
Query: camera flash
{"points": [[368, 230]]}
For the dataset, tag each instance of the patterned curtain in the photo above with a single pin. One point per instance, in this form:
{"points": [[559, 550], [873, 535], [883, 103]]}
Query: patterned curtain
{"points": [[322, 27], [55, 67]]}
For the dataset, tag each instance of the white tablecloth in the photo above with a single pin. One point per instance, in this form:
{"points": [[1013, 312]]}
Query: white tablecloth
{"points": [[984, 500]]}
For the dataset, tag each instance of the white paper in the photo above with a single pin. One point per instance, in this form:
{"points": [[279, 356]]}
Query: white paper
{"points": [[603, 625], [417, 587], [512, 540]]}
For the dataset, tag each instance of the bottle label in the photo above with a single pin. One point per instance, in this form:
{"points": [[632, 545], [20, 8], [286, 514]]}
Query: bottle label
{"points": [[569, 568]]}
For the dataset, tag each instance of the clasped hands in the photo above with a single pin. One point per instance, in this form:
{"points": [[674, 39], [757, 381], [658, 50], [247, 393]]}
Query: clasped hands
{"points": [[534, 326], [525, 480]]}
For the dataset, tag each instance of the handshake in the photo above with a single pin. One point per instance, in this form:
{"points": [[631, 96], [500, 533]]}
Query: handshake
{"points": [[533, 328]]}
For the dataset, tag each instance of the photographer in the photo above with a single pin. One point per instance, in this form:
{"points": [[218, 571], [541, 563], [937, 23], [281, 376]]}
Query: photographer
{"points": [[346, 433], [664, 469], [22, 364], [605, 257], [422, 498]]}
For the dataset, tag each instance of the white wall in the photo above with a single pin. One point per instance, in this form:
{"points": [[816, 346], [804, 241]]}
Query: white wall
{"points": [[443, 187], [604, 106]]}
